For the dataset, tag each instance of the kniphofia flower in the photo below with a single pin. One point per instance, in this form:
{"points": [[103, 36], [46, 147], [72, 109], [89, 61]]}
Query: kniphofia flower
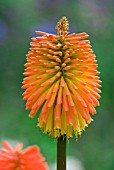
{"points": [[18, 159], [62, 81]]}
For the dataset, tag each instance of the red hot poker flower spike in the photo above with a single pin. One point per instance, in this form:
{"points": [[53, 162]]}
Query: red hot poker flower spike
{"points": [[18, 159], [61, 76]]}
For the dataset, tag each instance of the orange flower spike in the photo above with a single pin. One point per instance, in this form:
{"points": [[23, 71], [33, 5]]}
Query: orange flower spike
{"points": [[62, 79], [17, 158]]}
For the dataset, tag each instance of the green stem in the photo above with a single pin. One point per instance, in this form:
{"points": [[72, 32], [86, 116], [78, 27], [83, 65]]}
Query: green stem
{"points": [[61, 153]]}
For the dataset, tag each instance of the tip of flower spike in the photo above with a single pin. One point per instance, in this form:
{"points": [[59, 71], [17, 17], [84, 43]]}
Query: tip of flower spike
{"points": [[62, 26]]}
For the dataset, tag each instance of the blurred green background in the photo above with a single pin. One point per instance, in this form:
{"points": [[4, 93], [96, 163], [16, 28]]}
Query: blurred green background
{"points": [[18, 22]]}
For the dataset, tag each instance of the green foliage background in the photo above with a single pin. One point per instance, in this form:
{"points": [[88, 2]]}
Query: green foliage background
{"points": [[18, 22]]}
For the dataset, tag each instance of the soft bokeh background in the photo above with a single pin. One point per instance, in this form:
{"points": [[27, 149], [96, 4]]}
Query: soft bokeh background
{"points": [[18, 22]]}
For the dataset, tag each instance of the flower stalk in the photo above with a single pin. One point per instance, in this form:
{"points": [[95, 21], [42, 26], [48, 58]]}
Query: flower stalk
{"points": [[61, 153]]}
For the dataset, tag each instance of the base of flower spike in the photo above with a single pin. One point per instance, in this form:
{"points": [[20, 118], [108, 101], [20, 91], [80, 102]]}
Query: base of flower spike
{"points": [[62, 129]]}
